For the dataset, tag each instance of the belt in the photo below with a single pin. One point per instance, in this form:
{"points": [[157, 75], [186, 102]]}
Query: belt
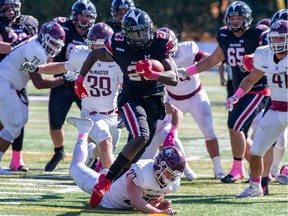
{"points": [[103, 113], [184, 97]]}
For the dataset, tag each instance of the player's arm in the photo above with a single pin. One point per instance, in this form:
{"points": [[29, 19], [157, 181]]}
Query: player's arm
{"points": [[5, 47], [40, 83], [170, 76], [244, 87], [214, 59], [52, 68], [135, 196]]}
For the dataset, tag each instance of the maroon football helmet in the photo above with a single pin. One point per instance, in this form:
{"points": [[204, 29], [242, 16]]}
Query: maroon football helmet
{"points": [[173, 38], [97, 34], [169, 165], [266, 22], [278, 36], [52, 37]]}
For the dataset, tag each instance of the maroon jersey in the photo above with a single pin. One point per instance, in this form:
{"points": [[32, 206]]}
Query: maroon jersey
{"points": [[127, 58], [234, 48]]}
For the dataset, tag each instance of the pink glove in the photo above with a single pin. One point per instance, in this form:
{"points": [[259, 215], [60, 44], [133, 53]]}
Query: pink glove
{"points": [[170, 138], [79, 88], [247, 62], [144, 67], [234, 99]]}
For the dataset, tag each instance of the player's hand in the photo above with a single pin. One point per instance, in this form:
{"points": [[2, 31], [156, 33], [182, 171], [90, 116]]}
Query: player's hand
{"points": [[29, 67], [144, 67], [165, 204], [70, 76], [247, 62], [169, 211], [182, 71], [230, 102], [79, 88]]}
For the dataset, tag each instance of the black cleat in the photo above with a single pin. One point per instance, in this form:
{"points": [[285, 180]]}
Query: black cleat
{"points": [[52, 164]]}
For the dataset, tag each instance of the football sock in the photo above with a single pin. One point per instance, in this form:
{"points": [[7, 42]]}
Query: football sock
{"points": [[117, 167]]}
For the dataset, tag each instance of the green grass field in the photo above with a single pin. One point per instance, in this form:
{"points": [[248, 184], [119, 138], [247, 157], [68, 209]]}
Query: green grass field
{"points": [[38, 193]]}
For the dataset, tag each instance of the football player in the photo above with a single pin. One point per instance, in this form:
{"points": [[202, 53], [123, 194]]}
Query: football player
{"points": [[142, 187], [14, 28], [102, 83], [83, 15], [190, 97], [141, 100], [13, 97], [235, 40], [118, 10], [271, 60]]}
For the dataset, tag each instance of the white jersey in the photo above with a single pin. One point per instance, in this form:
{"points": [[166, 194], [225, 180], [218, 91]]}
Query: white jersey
{"points": [[31, 51], [276, 73], [102, 81], [185, 56], [143, 177]]}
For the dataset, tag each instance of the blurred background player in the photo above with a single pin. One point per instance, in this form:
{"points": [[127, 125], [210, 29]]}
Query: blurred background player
{"points": [[13, 79], [141, 99], [143, 187], [118, 10], [83, 15], [234, 41], [190, 97], [14, 28]]}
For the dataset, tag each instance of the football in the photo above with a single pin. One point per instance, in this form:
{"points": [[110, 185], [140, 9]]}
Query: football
{"points": [[157, 65]]}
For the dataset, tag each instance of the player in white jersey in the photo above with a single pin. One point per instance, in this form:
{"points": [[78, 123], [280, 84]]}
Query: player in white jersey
{"points": [[13, 101], [167, 135], [142, 187], [190, 97], [102, 83], [272, 61]]}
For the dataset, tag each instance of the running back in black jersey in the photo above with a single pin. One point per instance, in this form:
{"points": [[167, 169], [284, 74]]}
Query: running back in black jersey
{"points": [[72, 38], [127, 58], [12, 32], [234, 48]]}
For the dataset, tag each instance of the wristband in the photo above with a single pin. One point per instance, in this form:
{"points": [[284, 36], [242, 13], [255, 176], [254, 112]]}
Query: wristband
{"points": [[80, 79], [239, 93], [173, 129], [191, 70]]}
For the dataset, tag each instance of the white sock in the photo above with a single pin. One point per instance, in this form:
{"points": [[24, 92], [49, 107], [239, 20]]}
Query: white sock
{"points": [[217, 165]]}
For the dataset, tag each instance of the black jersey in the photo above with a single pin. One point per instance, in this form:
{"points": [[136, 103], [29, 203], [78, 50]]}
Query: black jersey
{"points": [[114, 26], [72, 38], [133, 83], [12, 33], [234, 48]]}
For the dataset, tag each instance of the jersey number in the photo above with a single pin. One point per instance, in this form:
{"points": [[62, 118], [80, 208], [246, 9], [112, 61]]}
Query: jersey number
{"points": [[281, 80], [235, 56], [100, 86]]}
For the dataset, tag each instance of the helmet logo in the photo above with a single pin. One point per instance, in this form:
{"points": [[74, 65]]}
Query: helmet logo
{"points": [[134, 16]]}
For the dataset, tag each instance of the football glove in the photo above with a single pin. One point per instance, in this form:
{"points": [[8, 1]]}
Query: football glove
{"points": [[144, 68], [182, 71], [70, 76], [79, 88], [230, 102], [29, 67], [247, 62]]}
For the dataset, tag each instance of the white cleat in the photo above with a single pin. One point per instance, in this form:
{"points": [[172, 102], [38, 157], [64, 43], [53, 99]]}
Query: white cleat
{"points": [[282, 179], [251, 191], [5, 172], [189, 173], [218, 172], [219, 175], [90, 159], [82, 124]]}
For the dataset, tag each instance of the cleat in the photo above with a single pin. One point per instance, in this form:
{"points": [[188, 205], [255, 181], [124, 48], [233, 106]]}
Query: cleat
{"points": [[251, 192], [189, 173], [91, 158], [52, 164], [219, 175], [282, 179], [21, 168], [231, 179], [82, 124], [5, 172], [99, 190]]}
